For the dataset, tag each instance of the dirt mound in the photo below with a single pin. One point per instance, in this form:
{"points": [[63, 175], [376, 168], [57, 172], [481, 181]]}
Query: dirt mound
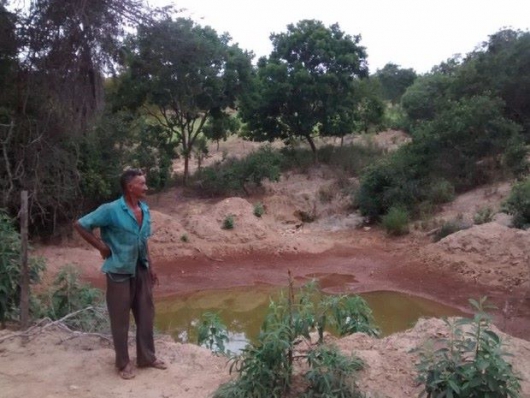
{"points": [[490, 254], [390, 365]]}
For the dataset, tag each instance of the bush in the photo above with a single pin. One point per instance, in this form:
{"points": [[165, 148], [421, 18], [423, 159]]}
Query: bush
{"points": [[265, 368], [396, 222], [441, 191], [10, 246], [518, 204], [184, 238], [448, 228], [483, 216], [212, 333], [68, 295], [228, 222], [259, 210], [233, 175], [470, 363]]}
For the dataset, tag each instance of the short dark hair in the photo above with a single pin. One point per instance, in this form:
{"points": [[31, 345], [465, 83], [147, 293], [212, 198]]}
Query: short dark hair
{"points": [[127, 176]]}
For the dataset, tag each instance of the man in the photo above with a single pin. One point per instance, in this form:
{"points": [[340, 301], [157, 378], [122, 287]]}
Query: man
{"points": [[125, 226]]}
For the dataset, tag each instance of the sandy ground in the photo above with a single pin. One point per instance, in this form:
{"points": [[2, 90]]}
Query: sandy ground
{"points": [[192, 252]]}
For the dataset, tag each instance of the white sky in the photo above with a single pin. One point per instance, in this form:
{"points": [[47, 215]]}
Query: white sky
{"points": [[416, 34]]}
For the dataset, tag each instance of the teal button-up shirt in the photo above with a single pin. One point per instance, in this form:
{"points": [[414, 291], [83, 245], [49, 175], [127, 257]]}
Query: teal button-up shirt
{"points": [[120, 231]]}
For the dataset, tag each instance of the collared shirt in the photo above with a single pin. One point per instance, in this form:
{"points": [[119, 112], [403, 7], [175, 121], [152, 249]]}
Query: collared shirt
{"points": [[126, 239]]}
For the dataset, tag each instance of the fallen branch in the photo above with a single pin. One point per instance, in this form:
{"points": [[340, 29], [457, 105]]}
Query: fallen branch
{"points": [[36, 329]]}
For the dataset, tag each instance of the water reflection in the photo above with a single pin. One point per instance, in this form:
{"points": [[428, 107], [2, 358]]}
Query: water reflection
{"points": [[242, 310]]}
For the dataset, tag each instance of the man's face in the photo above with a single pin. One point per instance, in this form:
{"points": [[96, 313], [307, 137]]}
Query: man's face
{"points": [[138, 187]]}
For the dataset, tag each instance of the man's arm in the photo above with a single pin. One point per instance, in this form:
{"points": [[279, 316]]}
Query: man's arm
{"points": [[93, 240]]}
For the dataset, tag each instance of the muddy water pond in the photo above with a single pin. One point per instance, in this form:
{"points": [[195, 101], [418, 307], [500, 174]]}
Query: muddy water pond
{"points": [[243, 309]]}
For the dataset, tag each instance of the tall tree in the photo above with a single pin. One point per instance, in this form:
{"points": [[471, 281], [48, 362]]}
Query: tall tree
{"points": [[394, 81], [52, 94], [182, 74], [306, 86]]}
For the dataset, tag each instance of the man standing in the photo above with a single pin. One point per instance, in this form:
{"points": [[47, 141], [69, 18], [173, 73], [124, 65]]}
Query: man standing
{"points": [[125, 226]]}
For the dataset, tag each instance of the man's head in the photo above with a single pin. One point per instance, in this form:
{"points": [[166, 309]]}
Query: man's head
{"points": [[132, 182]]}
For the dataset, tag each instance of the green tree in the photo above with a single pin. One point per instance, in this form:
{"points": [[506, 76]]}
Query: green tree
{"points": [[181, 74], [307, 85], [394, 81]]}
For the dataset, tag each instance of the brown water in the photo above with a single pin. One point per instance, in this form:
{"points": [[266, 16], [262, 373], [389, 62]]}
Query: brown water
{"points": [[242, 310]]}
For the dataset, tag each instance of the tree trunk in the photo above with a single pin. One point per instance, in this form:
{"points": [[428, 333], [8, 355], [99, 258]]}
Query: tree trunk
{"points": [[313, 148], [186, 169]]}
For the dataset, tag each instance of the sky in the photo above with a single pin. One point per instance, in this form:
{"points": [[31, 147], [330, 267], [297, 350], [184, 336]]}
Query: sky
{"points": [[417, 34]]}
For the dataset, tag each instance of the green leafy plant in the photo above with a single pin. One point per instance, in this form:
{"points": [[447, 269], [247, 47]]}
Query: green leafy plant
{"points": [[470, 363], [259, 210], [483, 215], [265, 368], [228, 222], [184, 238], [69, 297], [330, 374], [10, 247], [212, 333], [518, 204], [396, 221], [448, 228]]}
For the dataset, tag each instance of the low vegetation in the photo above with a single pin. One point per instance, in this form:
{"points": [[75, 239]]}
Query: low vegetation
{"points": [[470, 363], [266, 367], [518, 204]]}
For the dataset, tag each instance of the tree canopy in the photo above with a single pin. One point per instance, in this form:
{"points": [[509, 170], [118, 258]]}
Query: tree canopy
{"points": [[182, 74], [307, 85]]}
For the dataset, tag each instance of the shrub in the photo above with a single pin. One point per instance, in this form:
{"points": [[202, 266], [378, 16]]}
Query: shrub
{"points": [[184, 238], [68, 295], [470, 363], [259, 210], [10, 247], [441, 191], [518, 204], [232, 175], [396, 222], [228, 222], [483, 215], [265, 368], [212, 333], [448, 228], [330, 373]]}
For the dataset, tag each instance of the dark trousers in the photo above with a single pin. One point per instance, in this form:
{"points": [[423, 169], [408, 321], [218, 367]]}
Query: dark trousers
{"points": [[136, 294]]}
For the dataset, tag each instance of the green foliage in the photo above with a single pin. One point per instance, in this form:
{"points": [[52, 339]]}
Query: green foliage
{"points": [[259, 210], [215, 72], [68, 295], [396, 221], [518, 204], [483, 215], [265, 368], [470, 363], [440, 191], [448, 228], [212, 333], [10, 254], [234, 176], [184, 238], [394, 81], [306, 86], [228, 222], [330, 374]]}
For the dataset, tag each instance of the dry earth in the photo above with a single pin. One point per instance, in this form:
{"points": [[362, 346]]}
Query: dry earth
{"points": [[489, 258]]}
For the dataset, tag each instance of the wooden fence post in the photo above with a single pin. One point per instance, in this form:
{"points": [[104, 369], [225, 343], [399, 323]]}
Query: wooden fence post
{"points": [[24, 269]]}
